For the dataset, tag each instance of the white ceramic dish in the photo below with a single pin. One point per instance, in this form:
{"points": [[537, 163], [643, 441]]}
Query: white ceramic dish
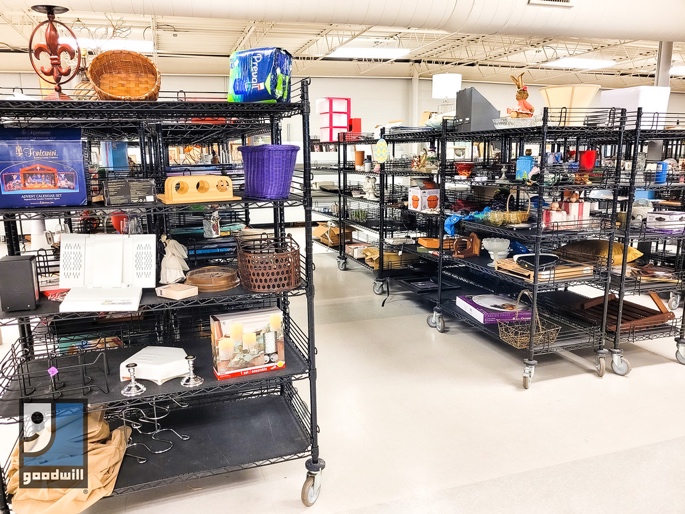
{"points": [[495, 302]]}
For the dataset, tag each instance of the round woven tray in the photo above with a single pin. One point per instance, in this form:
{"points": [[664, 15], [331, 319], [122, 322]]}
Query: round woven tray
{"points": [[124, 75], [211, 279]]}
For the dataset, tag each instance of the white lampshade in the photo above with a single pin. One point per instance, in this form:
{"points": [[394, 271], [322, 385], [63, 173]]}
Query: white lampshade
{"points": [[446, 85]]}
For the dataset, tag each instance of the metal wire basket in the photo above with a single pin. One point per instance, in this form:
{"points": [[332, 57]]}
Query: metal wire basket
{"points": [[517, 333]]}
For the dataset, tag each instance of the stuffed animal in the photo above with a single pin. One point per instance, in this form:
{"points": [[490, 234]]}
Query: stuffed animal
{"points": [[523, 108]]}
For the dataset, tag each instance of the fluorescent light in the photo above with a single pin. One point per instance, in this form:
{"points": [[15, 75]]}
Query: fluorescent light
{"points": [[580, 63], [678, 70], [370, 53], [134, 45]]}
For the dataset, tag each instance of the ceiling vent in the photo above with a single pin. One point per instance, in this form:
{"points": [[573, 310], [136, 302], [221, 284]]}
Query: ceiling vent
{"points": [[553, 3]]}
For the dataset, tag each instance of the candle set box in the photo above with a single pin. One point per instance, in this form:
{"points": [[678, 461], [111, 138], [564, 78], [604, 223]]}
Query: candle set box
{"points": [[41, 168], [246, 343]]}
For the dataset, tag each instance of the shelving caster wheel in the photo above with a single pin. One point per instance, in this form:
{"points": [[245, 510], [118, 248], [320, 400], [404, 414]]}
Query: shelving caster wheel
{"points": [[378, 287], [342, 264], [673, 301], [436, 321], [619, 364], [528, 374], [680, 353], [601, 362], [312, 484]]}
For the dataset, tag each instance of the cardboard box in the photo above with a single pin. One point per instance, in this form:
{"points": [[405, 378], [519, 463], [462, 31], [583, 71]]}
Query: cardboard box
{"points": [[331, 235], [491, 316], [391, 260], [246, 343], [41, 168], [421, 199], [356, 250], [176, 291]]}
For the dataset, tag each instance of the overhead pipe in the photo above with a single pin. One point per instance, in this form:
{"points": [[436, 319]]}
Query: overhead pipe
{"points": [[661, 20]]}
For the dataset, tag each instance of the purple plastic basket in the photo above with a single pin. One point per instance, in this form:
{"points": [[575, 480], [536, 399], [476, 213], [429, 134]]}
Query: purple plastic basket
{"points": [[268, 170]]}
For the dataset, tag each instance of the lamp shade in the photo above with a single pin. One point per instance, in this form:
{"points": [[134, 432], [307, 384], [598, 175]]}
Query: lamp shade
{"points": [[446, 85]]}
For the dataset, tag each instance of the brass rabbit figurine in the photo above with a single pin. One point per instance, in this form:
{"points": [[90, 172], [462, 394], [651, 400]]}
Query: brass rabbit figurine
{"points": [[523, 109]]}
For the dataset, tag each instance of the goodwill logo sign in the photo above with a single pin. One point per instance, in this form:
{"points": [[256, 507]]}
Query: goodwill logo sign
{"points": [[41, 168], [53, 444]]}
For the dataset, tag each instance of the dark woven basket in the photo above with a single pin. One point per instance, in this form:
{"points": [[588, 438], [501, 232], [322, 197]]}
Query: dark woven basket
{"points": [[269, 264], [268, 170]]}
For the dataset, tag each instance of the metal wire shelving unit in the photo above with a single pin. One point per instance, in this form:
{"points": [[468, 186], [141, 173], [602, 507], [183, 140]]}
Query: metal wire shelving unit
{"points": [[267, 400]]}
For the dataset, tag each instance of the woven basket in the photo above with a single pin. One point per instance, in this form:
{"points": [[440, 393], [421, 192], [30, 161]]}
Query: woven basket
{"points": [[269, 264], [124, 75], [517, 333], [268, 170], [515, 217]]}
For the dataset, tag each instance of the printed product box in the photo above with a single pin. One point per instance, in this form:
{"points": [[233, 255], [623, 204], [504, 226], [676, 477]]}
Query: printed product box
{"points": [[41, 168], [260, 75], [491, 316], [246, 343], [421, 199]]}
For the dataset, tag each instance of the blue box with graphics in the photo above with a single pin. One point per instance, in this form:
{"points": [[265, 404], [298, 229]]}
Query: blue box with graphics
{"points": [[41, 168], [260, 75]]}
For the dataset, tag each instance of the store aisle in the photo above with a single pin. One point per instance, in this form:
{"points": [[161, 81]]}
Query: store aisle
{"points": [[415, 421]]}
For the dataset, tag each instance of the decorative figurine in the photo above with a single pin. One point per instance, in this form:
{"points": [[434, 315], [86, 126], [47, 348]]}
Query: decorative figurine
{"points": [[369, 188], [173, 263], [523, 108]]}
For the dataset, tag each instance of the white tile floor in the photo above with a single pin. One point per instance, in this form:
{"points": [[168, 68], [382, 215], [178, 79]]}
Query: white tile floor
{"points": [[414, 421]]}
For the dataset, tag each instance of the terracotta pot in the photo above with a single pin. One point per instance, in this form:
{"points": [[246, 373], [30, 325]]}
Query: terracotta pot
{"points": [[415, 202], [432, 201]]}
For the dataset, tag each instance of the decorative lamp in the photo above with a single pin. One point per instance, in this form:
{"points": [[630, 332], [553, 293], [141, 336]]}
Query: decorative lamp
{"points": [[445, 88], [64, 58]]}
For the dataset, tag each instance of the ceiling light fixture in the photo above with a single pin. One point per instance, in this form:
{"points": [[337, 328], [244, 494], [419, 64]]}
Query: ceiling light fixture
{"points": [[580, 63], [369, 53]]}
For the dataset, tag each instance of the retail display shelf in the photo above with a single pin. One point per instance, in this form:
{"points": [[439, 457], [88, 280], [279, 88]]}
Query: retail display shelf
{"points": [[150, 302], [150, 208], [103, 390], [565, 231], [222, 437]]}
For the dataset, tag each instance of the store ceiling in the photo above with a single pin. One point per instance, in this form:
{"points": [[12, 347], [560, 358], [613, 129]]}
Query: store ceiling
{"points": [[201, 46]]}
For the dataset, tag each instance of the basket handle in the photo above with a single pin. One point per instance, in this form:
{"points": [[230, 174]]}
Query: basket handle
{"points": [[530, 297], [511, 194]]}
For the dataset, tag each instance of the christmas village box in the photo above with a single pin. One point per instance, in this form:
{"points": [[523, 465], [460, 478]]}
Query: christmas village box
{"points": [[246, 343], [41, 168]]}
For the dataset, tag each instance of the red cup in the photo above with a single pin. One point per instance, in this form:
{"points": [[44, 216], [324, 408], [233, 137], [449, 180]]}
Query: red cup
{"points": [[587, 160]]}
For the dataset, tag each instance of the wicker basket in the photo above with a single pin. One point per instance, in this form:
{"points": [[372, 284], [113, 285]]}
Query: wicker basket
{"points": [[515, 217], [517, 333], [124, 75], [268, 170], [269, 264]]}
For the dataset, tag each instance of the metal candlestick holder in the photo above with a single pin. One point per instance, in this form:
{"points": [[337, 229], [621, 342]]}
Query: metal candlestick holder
{"points": [[192, 380], [133, 388]]}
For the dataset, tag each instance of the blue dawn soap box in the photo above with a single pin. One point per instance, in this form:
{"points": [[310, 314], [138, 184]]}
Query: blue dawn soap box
{"points": [[260, 75], [41, 168]]}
